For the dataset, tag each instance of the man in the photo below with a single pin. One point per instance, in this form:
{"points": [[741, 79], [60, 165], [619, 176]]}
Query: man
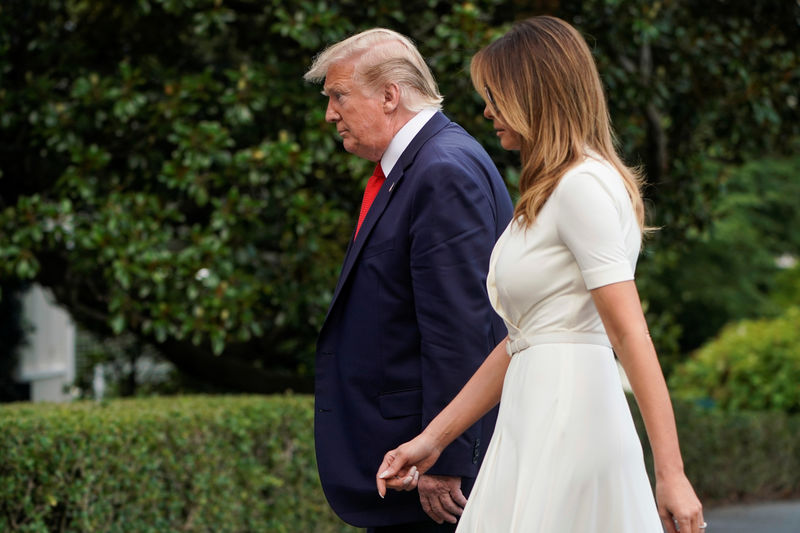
{"points": [[410, 319]]}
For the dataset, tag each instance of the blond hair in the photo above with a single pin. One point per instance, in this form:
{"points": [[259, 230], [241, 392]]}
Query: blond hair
{"points": [[546, 87], [383, 56]]}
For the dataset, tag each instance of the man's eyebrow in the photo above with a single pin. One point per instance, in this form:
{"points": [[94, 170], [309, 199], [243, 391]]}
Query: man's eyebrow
{"points": [[334, 87]]}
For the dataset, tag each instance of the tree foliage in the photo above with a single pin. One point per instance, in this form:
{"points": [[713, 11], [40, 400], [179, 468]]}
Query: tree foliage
{"points": [[166, 171], [728, 269], [696, 90]]}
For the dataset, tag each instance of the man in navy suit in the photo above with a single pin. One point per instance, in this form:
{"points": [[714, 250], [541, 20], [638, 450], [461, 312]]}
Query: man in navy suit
{"points": [[410, 319]]}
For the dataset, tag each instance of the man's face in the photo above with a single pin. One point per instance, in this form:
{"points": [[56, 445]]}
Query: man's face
{"points": [[357, 112]]}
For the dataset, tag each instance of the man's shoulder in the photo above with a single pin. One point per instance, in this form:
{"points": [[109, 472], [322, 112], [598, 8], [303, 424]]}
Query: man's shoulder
{"points": [[452, 141], [454, 128], [453, 157]]}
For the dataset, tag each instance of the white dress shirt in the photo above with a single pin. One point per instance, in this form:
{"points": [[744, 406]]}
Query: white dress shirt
{"points": [[403, 138]]}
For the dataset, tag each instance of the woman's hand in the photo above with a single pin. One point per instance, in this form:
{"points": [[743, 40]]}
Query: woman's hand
{"points": [[678, 505], [401, 467]]}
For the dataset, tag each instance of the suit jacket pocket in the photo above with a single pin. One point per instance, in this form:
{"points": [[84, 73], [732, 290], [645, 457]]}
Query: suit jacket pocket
{"points": [[401, 403], [377, 248]]}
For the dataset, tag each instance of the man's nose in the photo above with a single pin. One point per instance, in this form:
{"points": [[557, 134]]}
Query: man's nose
{"points": [[331, 115]]}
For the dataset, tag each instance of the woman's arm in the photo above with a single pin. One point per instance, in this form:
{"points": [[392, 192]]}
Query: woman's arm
{"points": [[621, 312], [401, 467]]}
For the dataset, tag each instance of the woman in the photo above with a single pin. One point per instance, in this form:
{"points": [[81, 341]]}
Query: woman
{"points": [[565, 455]]}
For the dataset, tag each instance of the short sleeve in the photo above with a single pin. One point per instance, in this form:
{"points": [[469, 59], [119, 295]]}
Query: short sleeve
{"points": [[590, 223]]}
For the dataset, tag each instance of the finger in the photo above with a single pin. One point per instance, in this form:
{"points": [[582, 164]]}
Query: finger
{"points": [[403, 481], [685, 525], [392, 463], [450, 506], [698, 524], [409, 479], [381, 484], [458, 497], [395, 483], [439, 510], [381, 475], [428, 508], [669, 524], [413, 485]]}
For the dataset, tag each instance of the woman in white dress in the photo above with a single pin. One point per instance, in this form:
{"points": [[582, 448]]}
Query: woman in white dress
{"points": [[565, 456]]}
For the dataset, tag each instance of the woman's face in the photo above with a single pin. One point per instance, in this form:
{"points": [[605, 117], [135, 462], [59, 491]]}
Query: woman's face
{"points": [[509, 139]]}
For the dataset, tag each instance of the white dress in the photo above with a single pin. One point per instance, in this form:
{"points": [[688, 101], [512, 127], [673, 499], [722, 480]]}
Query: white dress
{"points": [[565, 456]]}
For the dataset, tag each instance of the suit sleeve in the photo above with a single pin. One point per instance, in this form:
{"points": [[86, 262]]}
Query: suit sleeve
{"points": [[453, 230]]}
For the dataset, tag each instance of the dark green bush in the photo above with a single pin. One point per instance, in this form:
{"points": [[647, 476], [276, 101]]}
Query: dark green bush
{"points": [[787, 287], [752, 364], [246, 464], [221, 464], [734, 456]]}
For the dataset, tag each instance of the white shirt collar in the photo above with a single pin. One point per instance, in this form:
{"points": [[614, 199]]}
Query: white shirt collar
{"points": [[403, 138]]}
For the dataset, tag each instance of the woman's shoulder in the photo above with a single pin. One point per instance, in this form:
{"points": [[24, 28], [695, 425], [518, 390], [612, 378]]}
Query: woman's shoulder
{"points": [[593, 169], [596, 165], [591, 182]]}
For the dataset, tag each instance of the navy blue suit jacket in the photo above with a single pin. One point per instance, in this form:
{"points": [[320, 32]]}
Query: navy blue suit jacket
{"points": [[409, 322]]}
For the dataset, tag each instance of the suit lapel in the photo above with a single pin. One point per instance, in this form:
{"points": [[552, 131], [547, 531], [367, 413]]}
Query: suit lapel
{"points": [[433, 126]]}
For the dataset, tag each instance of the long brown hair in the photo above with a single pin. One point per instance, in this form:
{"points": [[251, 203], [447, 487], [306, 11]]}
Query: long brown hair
{"points": [[545, 86]]}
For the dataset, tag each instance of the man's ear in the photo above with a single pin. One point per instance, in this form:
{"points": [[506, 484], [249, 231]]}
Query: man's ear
{"points": [[391, 97]]}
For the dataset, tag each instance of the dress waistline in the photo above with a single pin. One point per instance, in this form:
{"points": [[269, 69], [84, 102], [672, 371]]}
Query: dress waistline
{"points": [[570, 337]]}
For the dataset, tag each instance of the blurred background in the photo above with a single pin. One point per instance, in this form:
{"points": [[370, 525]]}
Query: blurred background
{"points": [[174, 208]]}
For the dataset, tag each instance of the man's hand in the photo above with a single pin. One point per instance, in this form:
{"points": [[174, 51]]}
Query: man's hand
{"points": [[441, 497]]}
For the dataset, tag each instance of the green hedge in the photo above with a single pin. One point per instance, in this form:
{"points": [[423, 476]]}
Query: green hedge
{"points": [[734, 456], [246, 464], [752, 364], [221, 464]]}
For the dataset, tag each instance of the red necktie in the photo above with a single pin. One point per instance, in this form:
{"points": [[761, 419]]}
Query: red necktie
{"points": [[373, 186]]}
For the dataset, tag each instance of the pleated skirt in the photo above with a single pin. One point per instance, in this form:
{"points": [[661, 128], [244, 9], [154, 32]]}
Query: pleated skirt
{"points": [[565, 455]]}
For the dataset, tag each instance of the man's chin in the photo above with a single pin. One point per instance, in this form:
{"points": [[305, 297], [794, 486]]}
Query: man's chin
{"points": [[351, 148]]}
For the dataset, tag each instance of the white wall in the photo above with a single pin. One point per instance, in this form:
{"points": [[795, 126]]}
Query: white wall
{"points": [[47, 361]]}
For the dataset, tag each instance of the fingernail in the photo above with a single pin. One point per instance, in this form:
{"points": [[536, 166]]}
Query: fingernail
{"points": [[384, 474]]}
